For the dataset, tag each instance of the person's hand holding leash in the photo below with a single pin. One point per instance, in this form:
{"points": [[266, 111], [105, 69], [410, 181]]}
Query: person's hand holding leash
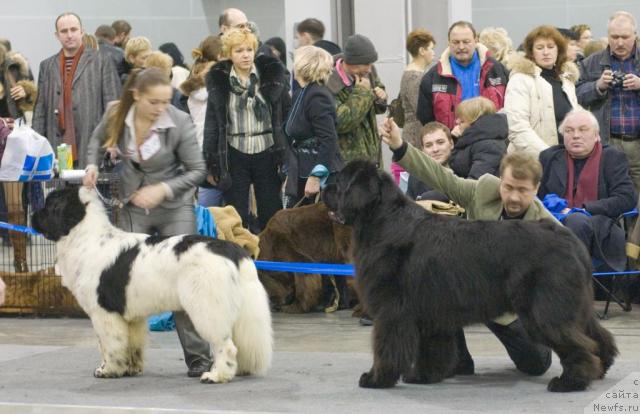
{"points": [[312, 187], [90, 177]]}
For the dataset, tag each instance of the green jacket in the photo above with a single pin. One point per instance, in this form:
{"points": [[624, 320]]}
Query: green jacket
{"points": [[356, 118], [480, 198]]}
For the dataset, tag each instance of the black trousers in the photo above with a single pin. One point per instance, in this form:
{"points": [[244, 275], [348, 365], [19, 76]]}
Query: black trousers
{"points": [[260, 170], [530, 357]]}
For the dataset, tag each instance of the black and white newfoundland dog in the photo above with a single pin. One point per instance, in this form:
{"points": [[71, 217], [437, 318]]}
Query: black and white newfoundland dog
{"points": [[422, 276], [120, 278]]}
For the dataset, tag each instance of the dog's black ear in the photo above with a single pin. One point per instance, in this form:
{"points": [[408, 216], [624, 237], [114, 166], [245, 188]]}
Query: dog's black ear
{"points": [[390, 193], [362, 191]]}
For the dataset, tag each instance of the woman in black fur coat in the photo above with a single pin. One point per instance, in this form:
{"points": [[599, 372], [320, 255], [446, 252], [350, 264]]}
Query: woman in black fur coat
{"points": [[243, 139]]}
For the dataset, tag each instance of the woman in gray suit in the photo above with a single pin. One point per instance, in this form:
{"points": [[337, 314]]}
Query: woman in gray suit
{"points": [[161, 166]]}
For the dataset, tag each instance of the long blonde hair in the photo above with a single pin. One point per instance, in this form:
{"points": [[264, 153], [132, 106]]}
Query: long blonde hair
{"points": [[141, 80]]}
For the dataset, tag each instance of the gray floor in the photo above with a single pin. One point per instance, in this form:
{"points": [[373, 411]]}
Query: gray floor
{"points": [[46, 366]]}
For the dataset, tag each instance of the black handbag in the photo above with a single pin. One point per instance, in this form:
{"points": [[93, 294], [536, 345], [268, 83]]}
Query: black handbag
{"points": [[306, 152], [304, 149]]}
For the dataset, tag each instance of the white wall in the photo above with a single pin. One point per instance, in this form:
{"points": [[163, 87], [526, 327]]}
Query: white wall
{"points": [[29, 24], [519, 16], [433, 16]]}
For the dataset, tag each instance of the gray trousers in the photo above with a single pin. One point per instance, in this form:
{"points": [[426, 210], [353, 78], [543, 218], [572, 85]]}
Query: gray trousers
{"points": [[170, 222]]}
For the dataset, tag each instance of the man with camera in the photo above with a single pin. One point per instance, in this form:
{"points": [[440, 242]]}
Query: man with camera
{"points": [[609, 86]]}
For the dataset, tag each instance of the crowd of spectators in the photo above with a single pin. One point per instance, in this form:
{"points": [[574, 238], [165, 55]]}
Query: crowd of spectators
{"points": [[486, 125]]}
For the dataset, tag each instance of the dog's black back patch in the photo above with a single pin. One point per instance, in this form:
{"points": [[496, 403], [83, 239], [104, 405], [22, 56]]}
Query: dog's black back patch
{"points": [[223, 248], [153, 240], [114, 280]]}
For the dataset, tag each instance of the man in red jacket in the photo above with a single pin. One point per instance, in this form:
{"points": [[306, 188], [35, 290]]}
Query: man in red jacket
{"points": [[465, 70]]}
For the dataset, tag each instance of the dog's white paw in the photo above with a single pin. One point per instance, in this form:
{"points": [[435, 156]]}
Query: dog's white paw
{"points": [[216, 377], [102, 372]]}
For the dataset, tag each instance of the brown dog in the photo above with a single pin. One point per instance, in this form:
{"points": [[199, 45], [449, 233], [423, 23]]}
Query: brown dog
{"points": [[302, 234]]}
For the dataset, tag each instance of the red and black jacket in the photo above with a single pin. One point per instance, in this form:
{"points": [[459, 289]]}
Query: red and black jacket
{"points": [[440, 91]]}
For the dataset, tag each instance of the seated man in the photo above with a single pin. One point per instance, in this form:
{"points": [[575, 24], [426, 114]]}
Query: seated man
{"points": [[510, 197], [592, 177], [437, 143]]}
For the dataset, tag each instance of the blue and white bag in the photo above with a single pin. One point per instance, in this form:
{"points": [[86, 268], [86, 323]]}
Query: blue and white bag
{"points": [[28, 156]]}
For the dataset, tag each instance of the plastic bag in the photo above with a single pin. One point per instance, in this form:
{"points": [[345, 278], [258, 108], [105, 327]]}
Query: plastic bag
{"points": [[162, 322], [28, 156]]}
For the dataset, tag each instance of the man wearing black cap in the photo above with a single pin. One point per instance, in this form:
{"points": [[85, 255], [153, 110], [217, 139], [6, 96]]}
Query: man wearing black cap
{"points": [[359, 96]]}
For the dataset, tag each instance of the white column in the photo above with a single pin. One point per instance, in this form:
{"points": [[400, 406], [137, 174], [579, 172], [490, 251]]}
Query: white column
{"points": [[384, 22], [459, 10]]}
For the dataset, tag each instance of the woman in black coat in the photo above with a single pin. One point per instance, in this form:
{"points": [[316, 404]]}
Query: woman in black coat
{"points": [[311, 127], [243, 139], [481, 142]]}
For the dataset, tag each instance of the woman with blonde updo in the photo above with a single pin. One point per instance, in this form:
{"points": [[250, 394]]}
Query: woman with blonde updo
{"points": [[311, 126], [497, 40], [243, 139]]}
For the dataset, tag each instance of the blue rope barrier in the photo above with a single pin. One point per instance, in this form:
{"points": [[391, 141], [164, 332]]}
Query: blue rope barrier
{"points": [[308, 268], [626, 272], [311, 268], [16, 227]]}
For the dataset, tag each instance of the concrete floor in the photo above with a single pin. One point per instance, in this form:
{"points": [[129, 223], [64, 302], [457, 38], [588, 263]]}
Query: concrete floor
{"points": [[46, 366]]}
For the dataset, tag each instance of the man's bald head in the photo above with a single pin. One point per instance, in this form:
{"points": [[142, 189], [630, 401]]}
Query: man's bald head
{"points": [[231, 18]]}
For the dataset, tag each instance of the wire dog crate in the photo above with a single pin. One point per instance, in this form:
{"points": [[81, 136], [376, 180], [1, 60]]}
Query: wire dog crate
{"points": [[27, 262]]}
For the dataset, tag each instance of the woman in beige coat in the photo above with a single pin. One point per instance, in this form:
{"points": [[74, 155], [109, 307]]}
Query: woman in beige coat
{"points": [[540, 92]]}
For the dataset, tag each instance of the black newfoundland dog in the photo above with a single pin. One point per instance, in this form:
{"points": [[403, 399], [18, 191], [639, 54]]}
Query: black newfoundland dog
{"points": [[422, 276]]}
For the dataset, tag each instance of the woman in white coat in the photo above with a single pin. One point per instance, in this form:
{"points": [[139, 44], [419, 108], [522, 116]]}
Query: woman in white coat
{"points": [[540, 92]]}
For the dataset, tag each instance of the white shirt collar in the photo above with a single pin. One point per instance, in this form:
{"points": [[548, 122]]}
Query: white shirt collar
{"points": [[164, 121]]}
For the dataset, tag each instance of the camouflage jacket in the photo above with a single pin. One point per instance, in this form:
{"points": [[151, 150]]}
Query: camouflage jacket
{"points": [[356, 118]]}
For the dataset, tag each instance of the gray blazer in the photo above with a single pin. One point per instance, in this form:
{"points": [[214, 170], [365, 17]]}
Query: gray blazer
{"points": [[95, 84], [178, 162]]}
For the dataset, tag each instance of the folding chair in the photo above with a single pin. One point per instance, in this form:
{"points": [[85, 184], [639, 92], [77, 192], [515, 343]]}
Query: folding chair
{"points": [[622, 220]]}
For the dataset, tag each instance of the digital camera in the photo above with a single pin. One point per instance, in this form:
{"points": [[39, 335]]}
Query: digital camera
{"points": [[618, 79]]}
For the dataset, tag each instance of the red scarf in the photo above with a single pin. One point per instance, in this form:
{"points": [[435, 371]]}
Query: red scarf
{"points": [[65, 105], [587, 189]]}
